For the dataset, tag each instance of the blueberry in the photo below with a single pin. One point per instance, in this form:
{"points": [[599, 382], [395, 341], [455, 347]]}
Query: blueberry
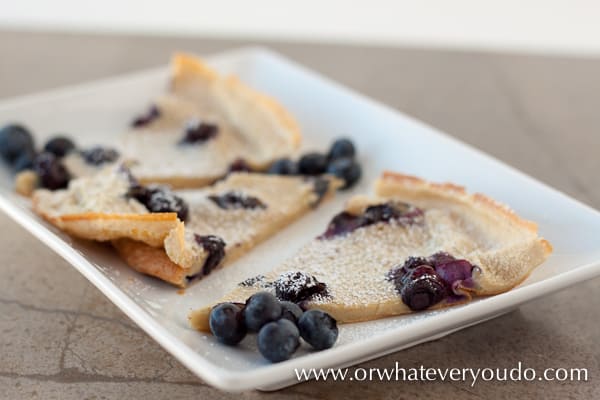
{"points": [[159, 199], [260, 309], [386, 211], [52, 174], [283, 166], [197, 131], [239, 165], [341, 148], [312, 164], [318, 328], [59, 146], [236, 200], [215, 247], [14, 141], [343, 223], [99, 155], [227, 323], [413, 262], [143, 120], [421, 288], [24, 161], [296, 286], [440, 258], [346, 169], [291, 311], [277, 341], [320, 188]]}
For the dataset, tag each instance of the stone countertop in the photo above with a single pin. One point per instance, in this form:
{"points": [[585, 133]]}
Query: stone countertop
{"points": [[61, 338]]}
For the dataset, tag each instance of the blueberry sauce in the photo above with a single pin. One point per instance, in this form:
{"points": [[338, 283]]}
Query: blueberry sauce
{"points": [[215, 247], [158, 199], [345, 222], [293, 286], [425, 281], [237, 200], [198, 131], [239, 165], [145, 119], [297, 286]]}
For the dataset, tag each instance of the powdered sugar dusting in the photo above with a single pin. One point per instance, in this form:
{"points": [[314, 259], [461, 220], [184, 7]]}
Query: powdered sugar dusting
{"points": [[354, 266], [284, 199]]}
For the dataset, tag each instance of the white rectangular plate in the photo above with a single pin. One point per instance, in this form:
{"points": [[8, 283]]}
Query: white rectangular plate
{"points": [[96, 113]]}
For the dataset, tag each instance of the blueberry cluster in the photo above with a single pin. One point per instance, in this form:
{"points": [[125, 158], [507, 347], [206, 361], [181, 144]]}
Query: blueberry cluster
{"points": [[17, 148], [425, 281], [279, 325], [340, 161]]}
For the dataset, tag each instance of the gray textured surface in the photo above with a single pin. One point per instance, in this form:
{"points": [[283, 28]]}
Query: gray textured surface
{"points": [[60, 338]]}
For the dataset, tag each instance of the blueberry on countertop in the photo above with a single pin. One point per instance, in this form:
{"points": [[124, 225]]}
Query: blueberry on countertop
{"points": [[346, 169], [52, 174], [59, 146], [277, 341], [227, 323], [341, 148], [312, 164], [260, 309], [291, 311], [14, 141], [283, 166], [318, 329]]}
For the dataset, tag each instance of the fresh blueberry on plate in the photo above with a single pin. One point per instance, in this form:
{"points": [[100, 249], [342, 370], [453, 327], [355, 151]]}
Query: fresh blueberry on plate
{"points": [[260, 309], [312, 164], [52, 174], [59, 146], [24, 161], [342, 148], [291, 311], [318, 328], [227, 323], [277, 341], [346, 169], [14, 141]]}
